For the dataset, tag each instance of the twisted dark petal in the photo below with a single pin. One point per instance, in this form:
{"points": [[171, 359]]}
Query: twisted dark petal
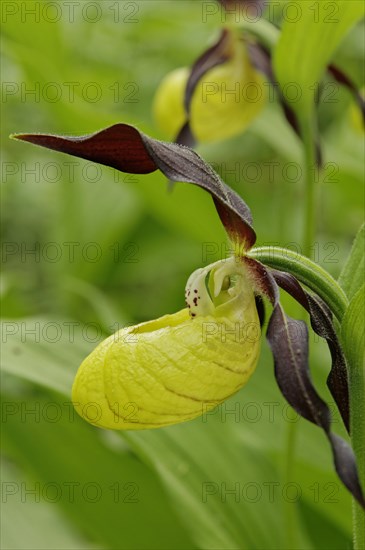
{"points": [[322, 324], [125, 148], [260, 306], [263, 280], [288, 339], [185, 136], [261, 59], [119, 146], [337, 381], [345, 80], [214, 56]]}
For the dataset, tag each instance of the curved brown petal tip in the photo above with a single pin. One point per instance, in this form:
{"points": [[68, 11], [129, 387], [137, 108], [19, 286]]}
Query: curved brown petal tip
{"points": [[214, 56], [127, 149], [119, 146]]}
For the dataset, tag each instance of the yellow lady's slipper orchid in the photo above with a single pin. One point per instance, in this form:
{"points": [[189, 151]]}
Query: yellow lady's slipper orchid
{"points": [[225, 100], [179, 366]]}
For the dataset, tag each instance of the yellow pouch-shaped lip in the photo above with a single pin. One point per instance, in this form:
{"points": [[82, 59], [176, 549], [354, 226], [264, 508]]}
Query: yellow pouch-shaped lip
{"points": [[171, 369]]}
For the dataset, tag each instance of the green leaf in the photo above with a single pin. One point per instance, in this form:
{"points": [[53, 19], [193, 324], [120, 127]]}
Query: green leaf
{"points": [[307, 43], [352, 275], [353, 335], [210, 467], [211, 474], [42, 525], [198, 462], [103, 490], [45, 351], [353, 331]]}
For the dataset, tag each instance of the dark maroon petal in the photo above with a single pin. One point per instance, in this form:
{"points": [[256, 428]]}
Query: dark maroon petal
{"points": [[288, 339], [185, 136], [262, 279], [183, 164], [119, 146], [260, 306], [127, 149], [214, 56], [261, 59], [322, 324], [345, 80]]}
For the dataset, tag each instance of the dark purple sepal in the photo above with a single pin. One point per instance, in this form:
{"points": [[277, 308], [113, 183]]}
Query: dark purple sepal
{"points": [[127, 149], [185, 136], [288, 340], [322, 324], [215, 55], [346, 81], [260, 306], [261, 59]]}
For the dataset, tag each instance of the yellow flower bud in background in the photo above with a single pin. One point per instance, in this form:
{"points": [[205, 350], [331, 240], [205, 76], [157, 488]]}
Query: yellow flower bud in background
{"points": [[168, 105], [179, 366], [225, 100]]}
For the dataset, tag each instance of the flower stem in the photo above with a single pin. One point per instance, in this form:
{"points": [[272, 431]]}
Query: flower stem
{"points": [[280, 258], [311, 178], [357, 423], [354, 344], [307, 272]]}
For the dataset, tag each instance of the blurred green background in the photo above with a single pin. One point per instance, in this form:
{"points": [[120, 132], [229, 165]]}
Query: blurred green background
{"points": [[86, 250]]}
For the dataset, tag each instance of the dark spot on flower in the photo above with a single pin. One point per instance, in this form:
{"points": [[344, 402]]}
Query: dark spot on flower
{"points": [[195, 290], [195, 301], [193, 314]]}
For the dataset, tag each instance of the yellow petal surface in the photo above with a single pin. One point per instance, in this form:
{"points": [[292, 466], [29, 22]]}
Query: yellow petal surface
{"points": [[177, 367], [224, 103], [168, 104], [227, 99]]}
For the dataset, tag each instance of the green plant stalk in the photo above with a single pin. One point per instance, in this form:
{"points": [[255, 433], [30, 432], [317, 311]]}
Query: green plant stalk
{"points": [[309, 228], [307, 272], [310, 172], [354, 344], [357, 423], [311, 177]]}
